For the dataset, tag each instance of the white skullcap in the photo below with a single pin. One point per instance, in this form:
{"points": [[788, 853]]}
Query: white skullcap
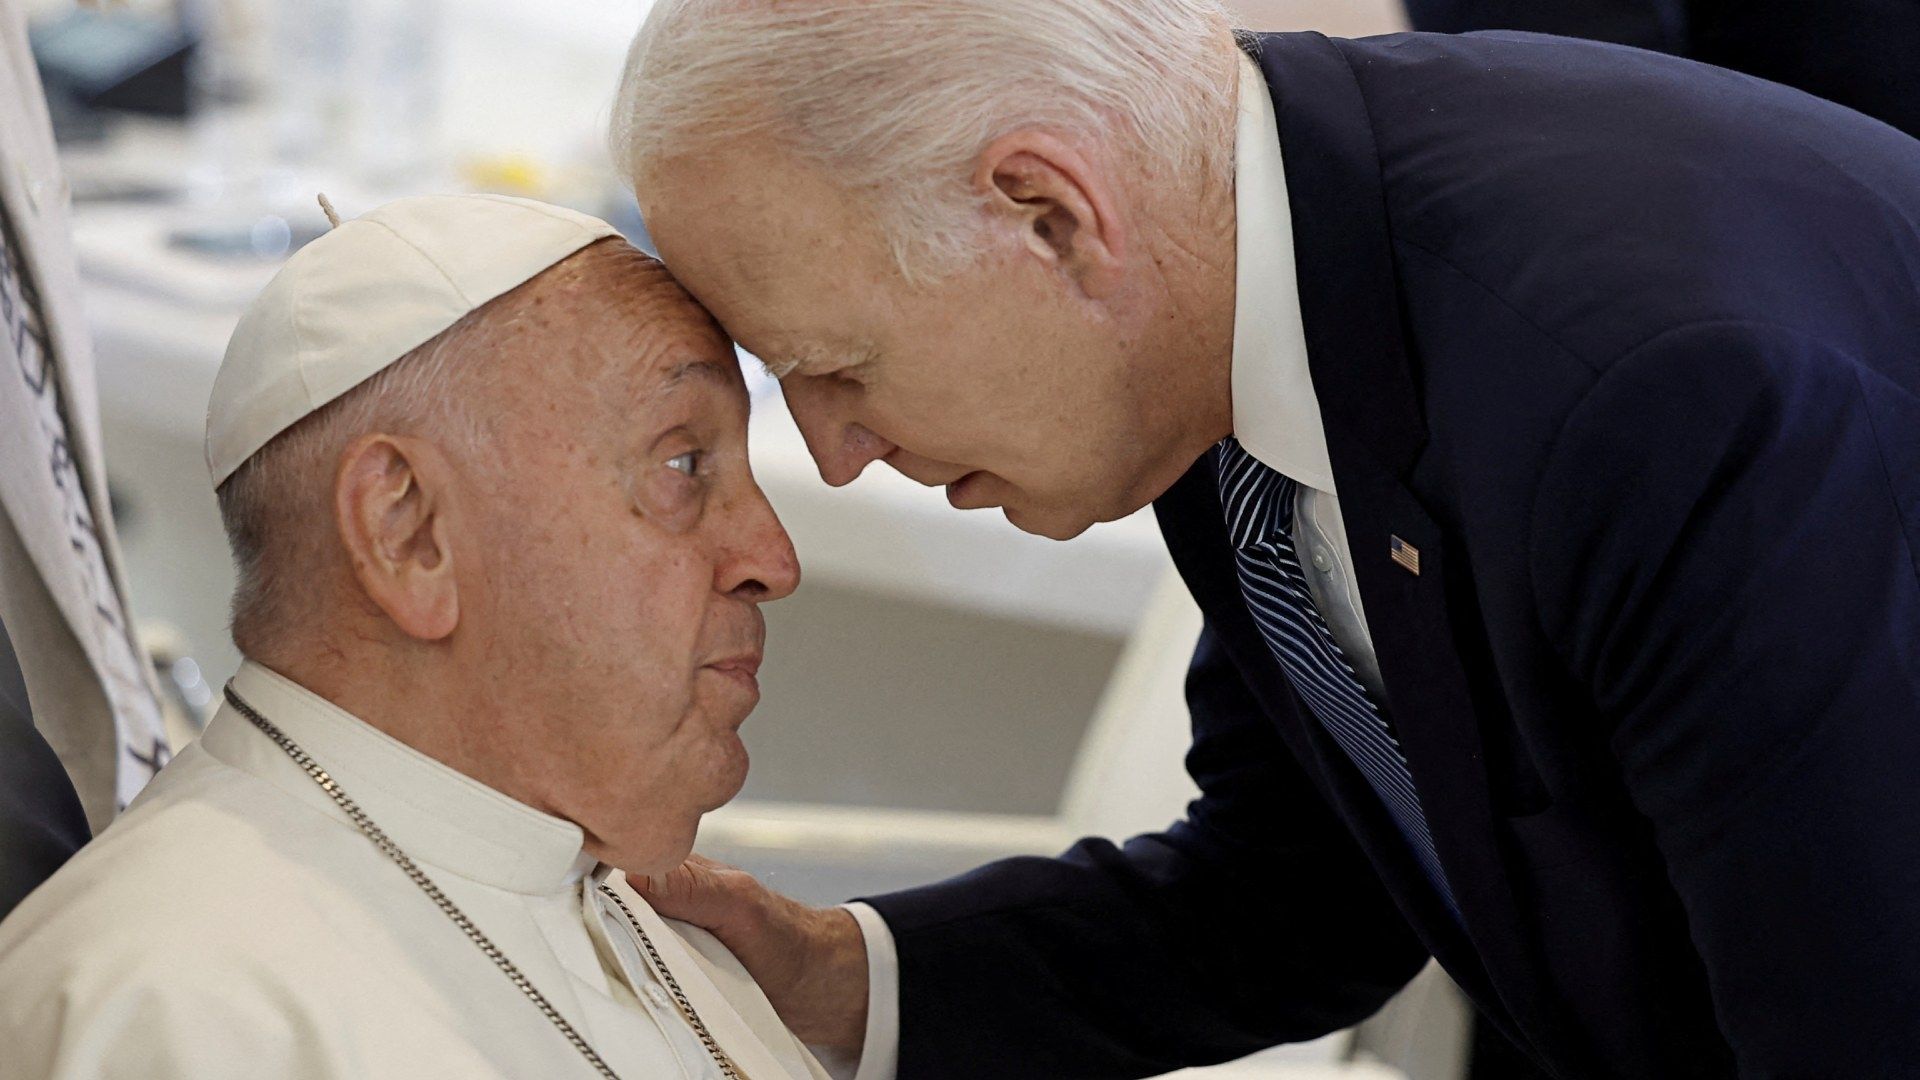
{"points": [[368, 293]]}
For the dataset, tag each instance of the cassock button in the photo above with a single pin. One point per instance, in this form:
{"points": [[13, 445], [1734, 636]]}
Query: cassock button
{"points": [[1322, 560], [658, 997]]}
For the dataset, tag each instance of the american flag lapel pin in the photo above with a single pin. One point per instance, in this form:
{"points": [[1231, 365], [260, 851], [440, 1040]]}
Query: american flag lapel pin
{"points": [[1406, 555]]}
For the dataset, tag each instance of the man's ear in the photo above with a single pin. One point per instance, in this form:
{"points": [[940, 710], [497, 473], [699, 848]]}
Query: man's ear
{"points": [[1062, 201], [390, 500]]}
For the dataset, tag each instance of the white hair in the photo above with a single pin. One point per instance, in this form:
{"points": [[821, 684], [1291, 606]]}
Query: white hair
{"points": [[905, 94], [277, 508]]}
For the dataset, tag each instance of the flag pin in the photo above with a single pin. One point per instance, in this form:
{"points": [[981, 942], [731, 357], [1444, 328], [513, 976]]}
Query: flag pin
{"points": [[1406, 555]]}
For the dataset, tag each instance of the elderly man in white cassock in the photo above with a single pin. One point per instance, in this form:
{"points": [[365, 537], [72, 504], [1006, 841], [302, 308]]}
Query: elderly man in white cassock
{"points": [[484, 470]]}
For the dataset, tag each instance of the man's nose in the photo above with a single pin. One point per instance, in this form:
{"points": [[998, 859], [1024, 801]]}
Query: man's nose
{"points": [[760, 564], [841, 447]]}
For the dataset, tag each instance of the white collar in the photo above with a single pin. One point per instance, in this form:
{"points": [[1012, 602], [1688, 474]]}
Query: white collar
{"points": [[1276, 415], [437, 815]]}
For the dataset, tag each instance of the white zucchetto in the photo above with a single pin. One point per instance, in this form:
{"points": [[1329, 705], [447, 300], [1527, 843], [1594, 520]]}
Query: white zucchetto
{"points": [[368, 293]]}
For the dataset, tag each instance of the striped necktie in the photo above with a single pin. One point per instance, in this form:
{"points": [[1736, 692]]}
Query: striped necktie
{"points": [[1259, 503]]}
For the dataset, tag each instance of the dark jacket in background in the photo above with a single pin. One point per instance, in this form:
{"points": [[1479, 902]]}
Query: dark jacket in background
{"points": [[41, 823], [1864, 54]]}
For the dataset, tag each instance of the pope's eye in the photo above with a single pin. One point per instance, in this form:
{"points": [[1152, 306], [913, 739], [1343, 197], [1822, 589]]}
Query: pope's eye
{"points": [[688, 462]]}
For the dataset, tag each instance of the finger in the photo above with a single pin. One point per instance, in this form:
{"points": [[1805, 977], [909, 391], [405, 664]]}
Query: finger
{"points": [[701, 891]]}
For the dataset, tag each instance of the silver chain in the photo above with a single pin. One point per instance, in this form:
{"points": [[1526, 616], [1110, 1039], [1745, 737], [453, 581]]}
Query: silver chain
{"points": [[673, 986], [459, 918]]}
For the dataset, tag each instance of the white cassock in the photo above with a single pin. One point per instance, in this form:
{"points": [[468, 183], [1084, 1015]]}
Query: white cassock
{"points": [[235, 923]]}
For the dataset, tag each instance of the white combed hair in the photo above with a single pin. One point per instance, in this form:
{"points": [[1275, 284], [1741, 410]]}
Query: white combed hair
{"points": [[277, 506], [905, 94]]}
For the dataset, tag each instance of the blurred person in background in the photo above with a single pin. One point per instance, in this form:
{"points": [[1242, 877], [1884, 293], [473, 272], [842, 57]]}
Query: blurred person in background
{"points": [[1864, 54], [484, 470], [1531, 419], [81, 728]]}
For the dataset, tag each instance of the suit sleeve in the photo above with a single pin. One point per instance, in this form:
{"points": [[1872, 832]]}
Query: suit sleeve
{"points": [[1724, 552], [1252, 922]]}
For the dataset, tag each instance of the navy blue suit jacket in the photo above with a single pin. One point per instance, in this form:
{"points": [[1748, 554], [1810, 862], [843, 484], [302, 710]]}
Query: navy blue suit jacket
{"points": [[1629, 348], [1864, 54]]}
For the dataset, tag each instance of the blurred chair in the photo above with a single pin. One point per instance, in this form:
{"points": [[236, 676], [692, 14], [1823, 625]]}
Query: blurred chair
{"points": [[1858, 53]]}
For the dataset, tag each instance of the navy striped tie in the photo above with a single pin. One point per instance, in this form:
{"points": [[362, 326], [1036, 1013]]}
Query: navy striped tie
{"points": [[1259, 505]]}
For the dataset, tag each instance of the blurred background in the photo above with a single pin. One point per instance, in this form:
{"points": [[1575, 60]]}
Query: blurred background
{"points": [[943, 691]]}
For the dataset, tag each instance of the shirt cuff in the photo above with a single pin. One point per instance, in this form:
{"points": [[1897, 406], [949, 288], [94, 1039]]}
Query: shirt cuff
{"points": [[880, 1053]]}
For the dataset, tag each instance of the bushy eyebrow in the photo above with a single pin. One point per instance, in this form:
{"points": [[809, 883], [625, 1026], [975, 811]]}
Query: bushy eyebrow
{"points": [[779, 369], [801, 357], [706, 370]]}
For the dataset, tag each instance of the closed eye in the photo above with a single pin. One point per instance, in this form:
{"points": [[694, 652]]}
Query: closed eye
{"points": [[780, 369], [855, 369], [822, 364]]}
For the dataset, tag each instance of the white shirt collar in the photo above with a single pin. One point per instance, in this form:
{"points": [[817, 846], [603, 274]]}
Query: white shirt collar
{"points": [[438, 816], [1276, 415]]}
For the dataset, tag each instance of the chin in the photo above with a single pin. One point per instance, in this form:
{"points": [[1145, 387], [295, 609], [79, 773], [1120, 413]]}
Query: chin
{"points": [[653, 861], [737, 761], [651, 846], [727, 792], [1054, 526], [655, 835]]}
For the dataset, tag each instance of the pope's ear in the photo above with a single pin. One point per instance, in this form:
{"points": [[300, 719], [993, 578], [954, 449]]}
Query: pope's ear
{"points": [[390, 503]]}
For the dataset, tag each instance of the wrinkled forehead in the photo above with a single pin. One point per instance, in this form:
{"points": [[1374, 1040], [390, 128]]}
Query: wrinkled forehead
{"points": [[779, 255], [611, 328], [611, 312]]}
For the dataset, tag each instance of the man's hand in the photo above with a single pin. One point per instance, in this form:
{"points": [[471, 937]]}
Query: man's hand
{"points": [[810, 962]]}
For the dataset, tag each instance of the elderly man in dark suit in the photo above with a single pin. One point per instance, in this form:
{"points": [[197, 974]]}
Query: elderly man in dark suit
{"points": [[1535, 421]]}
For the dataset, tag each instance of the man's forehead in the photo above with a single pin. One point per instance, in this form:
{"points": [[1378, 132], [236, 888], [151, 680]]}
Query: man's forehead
{"points": [[633, 317], [619, 342], [752, 209]]}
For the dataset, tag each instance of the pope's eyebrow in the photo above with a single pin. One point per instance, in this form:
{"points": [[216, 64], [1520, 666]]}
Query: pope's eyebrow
{"points": [[707, 370]]}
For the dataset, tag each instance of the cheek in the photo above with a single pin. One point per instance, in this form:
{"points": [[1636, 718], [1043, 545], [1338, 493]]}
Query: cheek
{"points": [[993, 414], [603, 603], [651, 605], [663, 499]]}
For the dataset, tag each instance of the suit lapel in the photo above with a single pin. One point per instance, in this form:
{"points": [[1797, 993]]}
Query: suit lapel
{"points": [[1193, 522], [1364, 378]]}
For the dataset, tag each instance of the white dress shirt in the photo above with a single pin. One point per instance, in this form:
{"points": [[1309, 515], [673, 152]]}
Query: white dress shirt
{"points": [[1276, 417], [235, 923]]}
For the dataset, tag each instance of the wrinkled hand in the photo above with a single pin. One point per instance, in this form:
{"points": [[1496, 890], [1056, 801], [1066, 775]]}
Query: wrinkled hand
{"points": [[810, 962]]}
